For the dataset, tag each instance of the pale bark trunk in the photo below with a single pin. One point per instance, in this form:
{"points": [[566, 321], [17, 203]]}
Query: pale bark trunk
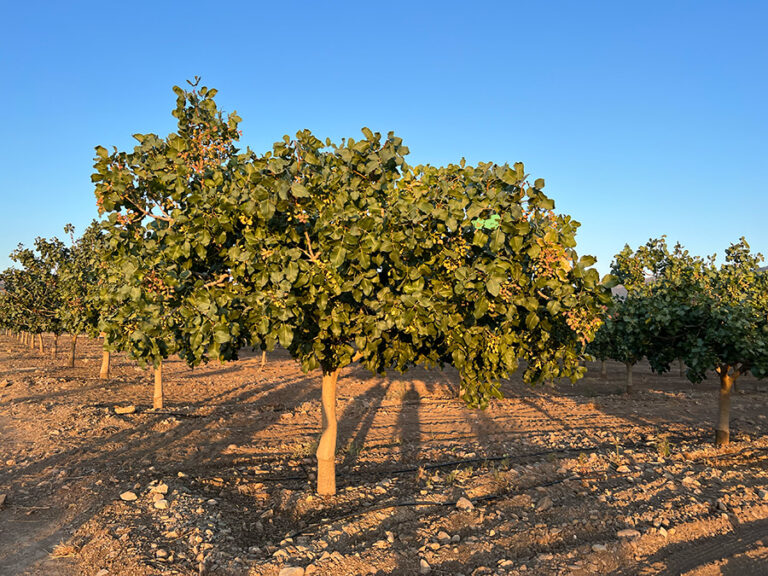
{"points": [[104, 372], [723, 430], [31, 342], [41, 346], [72, 352], [55, 350], [263, 358], [630, 385], [326, 449], [157, 398], [603, 369]]}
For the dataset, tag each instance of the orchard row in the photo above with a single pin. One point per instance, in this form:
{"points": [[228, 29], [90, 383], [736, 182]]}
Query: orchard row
{"points": [[344, 252]]}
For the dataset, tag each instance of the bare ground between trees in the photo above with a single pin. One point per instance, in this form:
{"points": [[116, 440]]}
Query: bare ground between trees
{"points": [[553, 474]]}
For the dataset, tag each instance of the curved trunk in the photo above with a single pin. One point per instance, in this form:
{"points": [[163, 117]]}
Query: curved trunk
{"points": [[104, 372], [157, 398], [630, 385], [723, 430], [326, 448], [72, 352], [603, 369]]}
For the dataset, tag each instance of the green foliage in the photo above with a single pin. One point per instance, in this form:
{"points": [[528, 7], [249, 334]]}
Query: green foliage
{"points": [[31, 298], [712, 317], [81, 279], [339, 251], [165, 280]]}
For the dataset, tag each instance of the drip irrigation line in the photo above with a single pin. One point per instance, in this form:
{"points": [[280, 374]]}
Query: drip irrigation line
{"points": [[451, 503], [509, 457]]}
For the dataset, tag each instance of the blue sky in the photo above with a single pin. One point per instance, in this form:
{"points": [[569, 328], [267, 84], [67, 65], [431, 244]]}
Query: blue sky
{"points": [[645, 119]]}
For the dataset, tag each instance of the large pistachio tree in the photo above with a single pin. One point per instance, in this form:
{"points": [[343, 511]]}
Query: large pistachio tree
{"points": [[343, 252]]}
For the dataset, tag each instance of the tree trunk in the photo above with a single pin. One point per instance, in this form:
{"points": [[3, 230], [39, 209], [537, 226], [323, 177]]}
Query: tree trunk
{"points": [[55, 351], [603, 370], [263, 358], [40, 347], [157, 399], [31, 341], [72, 353], [630, 386], [723, 430], [326, 449], [680, 366], [104, 372]]}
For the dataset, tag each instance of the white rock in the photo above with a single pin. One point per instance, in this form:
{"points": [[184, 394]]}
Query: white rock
{"points": [[125, 409], [443, 537], [424, 567], [599, 547], [464, 504], [628, 533], [161, 504], [128, 496], [292, 571]]}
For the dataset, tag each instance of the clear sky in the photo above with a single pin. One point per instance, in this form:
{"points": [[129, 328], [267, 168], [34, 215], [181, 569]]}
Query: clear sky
{"points": [[645, 118]]}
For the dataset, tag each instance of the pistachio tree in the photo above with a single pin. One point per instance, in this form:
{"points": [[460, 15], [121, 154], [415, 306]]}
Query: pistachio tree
{"points": [[713, 317], [32, 291], [81, 282], [347, 253], [340, 253], [624, 334], [161, 246]]}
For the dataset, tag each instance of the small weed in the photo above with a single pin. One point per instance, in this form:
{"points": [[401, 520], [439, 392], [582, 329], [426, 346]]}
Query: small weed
{"points": [[451, 477], [354, 449], [305, 449], [500, 478], [663, 447], [616, 455]]}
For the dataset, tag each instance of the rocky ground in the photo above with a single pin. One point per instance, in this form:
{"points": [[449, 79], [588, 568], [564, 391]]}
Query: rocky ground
{"points": [[570, 480]]}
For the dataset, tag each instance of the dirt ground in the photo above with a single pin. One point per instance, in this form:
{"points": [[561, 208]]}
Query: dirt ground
{"points": [[561, 480]]}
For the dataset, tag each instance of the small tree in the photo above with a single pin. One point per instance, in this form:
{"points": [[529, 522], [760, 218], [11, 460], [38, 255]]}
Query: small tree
{"points": [[712, 317], [624, 334], [82, 277], [161, 236], [32, 291]]}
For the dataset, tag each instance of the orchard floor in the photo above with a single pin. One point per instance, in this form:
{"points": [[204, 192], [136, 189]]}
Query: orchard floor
{"points": [[572, 480]]}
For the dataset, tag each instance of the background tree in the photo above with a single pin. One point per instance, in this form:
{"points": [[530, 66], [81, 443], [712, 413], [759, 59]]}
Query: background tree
{"points": [[168, 292], [624, 335], [81, 278], [32, 290], [712, 317]]}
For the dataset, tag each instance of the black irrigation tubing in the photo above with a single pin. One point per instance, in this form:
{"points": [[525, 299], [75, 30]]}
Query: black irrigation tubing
{"points": [[510, 457], [452, 503]]}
